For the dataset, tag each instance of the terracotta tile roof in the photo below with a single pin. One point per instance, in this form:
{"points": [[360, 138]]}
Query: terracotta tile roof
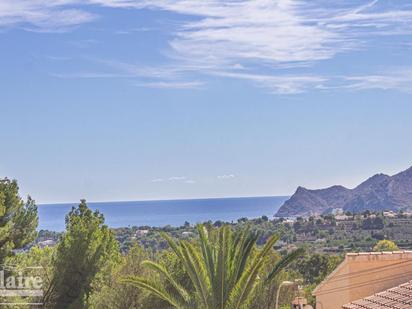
{"points": [[399, 297]]}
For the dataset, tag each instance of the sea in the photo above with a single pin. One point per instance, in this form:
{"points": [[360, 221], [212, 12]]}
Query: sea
{"points": [[166, 212]]}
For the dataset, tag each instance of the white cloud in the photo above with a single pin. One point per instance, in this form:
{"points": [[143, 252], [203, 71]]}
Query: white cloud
{"points": [[165, 77], [226, 176], [42, 15], [133, 30], [179, 179], [172, 85], [253, 31], [228, 30], [396, 79], [174, 77], [281, 84], [157, 180], [170, 72], [274, 32], [87, 75], [241, 39], [174, 178]]}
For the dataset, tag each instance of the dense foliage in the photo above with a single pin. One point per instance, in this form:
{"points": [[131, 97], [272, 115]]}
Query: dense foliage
{"points": [[18, 219], [87, 249], [385, 245], [223, 268], [112, 293], [215, 265], [212, 268]]}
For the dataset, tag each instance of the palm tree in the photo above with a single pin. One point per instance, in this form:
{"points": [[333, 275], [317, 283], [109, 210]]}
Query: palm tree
{"points": [[224, 268]]}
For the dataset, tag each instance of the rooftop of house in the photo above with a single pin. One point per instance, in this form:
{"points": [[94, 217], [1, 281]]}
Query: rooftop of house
{"points": [[399, 297], [371, 258], [385, 255]]}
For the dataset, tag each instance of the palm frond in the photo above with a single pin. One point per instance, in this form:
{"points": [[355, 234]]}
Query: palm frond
{"points": [[248, 280], [196, 271], [267, 247], [244, 253], [175, 248], [244, 286], [220, 279], [223, 267], [154, 288], [163, 272], [284, 262], [206, 250]]}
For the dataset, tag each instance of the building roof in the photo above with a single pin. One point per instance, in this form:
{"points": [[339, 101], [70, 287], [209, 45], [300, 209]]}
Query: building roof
{"points": [[365, 256], [399, 297], [391, 254]]}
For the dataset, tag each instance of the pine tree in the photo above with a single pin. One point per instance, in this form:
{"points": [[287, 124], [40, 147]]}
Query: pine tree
{"points": [[86, 248], [18, 219]]}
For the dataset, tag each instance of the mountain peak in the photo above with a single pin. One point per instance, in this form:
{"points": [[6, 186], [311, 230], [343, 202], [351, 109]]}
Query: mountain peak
{"points": [[378, 177], [301, 189], [377, 193], [373, 181]]}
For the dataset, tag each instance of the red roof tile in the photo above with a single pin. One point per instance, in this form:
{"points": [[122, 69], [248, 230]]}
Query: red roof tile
{"points": [[399, 297]]}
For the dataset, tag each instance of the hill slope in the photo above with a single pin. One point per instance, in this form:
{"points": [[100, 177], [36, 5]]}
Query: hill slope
{"points": [[380, 192]]}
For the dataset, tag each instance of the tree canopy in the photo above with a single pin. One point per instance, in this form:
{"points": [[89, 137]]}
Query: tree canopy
{"points": [[86, 248], [18, 219], [385, 245], [223, 267]]}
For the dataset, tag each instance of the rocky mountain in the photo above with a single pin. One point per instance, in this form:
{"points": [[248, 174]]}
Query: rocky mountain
{"points": [[380, 192]]}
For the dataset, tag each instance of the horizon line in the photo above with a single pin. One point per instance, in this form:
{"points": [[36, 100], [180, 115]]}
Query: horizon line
{"points": [[164, 200]]}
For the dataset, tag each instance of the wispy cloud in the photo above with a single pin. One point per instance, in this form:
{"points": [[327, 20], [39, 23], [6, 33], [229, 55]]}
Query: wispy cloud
{"points": [[178, 179], [161, 77], [274, 32], [396, 79], [280, 84], [172, 85], [43, 15], [89, 75], [226, 176], [240, 39], [133, 30], [157, 180], [174, 178]]}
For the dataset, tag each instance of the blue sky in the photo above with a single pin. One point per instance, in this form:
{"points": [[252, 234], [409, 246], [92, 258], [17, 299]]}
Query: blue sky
{"points": [[157, 99]]}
